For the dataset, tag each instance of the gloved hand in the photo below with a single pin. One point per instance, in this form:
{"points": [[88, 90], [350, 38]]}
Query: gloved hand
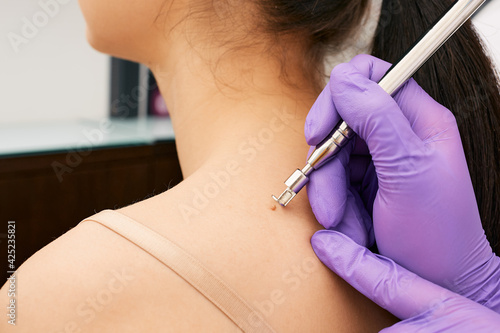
{"points": [[423, 306], [425, 215]]}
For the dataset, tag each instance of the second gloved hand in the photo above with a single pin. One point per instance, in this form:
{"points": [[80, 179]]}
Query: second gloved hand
{"points": [[425, 215], [423, 306]]}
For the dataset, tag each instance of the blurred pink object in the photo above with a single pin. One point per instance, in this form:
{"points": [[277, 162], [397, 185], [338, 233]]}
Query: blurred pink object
{"points": [[158, 106]]}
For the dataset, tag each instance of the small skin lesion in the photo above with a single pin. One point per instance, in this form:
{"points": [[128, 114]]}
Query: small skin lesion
{"points": [[272, 207]]}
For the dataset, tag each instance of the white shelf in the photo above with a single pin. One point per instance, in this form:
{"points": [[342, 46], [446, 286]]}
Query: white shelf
{"points": [[39, 137]]}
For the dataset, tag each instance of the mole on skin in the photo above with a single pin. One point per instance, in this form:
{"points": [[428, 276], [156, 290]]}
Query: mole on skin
{"points": [[273, 207]]}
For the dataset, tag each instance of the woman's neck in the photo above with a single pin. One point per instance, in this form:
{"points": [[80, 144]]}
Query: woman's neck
{"points": [[250, 135]]}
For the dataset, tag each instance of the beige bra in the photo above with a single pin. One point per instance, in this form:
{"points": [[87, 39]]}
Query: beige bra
{"points": [[187, 267]]}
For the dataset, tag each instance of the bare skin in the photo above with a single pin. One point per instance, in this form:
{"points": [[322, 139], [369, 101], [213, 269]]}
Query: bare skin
{"points": [[236, 144]]}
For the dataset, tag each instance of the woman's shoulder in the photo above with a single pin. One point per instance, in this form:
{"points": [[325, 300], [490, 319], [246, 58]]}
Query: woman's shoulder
{"points": [[90, 279], [93, 279], [266, 259]]}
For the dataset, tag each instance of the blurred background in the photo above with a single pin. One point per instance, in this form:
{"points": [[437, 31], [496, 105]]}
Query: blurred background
{"points": [[80, 131]]}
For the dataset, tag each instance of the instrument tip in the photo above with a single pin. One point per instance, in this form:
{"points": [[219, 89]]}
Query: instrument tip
{"points": [[285, 197]]}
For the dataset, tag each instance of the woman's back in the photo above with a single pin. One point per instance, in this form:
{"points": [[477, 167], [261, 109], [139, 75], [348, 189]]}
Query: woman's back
{"points": [[97, 281], [265, 255]]}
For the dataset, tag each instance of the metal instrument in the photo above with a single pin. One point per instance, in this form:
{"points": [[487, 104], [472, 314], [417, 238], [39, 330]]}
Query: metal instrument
{"points": [[396, 76]]}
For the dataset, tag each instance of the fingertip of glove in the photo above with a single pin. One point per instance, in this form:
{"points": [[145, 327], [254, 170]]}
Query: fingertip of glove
{"points": [[342, 70], [330, 247], [322, 240], [310, 132], [371, 67], [320, 207], [327, 194], [347, 77], [321, 118]]}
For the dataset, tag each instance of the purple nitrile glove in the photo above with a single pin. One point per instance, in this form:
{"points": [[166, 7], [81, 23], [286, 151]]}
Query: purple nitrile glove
{"points": [[423, 306], [425, 215]]}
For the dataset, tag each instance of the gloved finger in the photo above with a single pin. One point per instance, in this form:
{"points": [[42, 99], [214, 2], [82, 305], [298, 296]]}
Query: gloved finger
{"points": [[323, 116], [327, 189], [392, 287], [373, 115], [370, 66], [454, 315], [356, 223], [427, 323], [426, 116], [321, 119]]}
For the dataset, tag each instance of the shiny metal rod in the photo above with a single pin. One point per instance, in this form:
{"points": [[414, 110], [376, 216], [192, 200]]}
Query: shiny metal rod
{"points": [[395, 77]]}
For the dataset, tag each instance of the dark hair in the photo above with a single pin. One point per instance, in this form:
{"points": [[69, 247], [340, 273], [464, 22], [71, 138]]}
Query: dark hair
{"points": [[320, 24], [460, 76]]}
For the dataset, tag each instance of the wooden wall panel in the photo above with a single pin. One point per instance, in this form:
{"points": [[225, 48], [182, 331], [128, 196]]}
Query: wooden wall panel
{"points": [[45, 207]]}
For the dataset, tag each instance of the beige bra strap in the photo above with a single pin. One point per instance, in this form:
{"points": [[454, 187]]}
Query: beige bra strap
{"points": [[187, 267]]}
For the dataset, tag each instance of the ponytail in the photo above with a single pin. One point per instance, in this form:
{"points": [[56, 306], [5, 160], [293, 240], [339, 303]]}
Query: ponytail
{"points": [[461, 77]]}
